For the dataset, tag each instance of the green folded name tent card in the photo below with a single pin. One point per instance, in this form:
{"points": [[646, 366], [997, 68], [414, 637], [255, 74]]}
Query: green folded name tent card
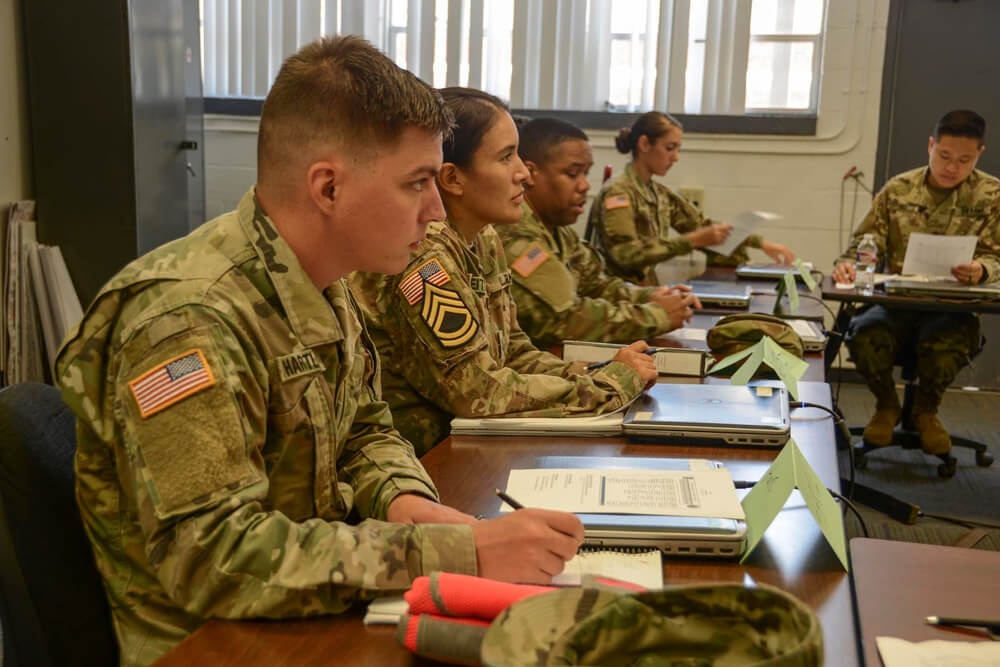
{"points": [[789, 471], [786, 365]]}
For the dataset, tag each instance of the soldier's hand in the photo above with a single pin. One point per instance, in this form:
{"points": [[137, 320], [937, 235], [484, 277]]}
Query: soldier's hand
{"points": [[709, 235], [678, 304], [413, 508], [528, 546], [633, 357], [971, 273], [779, 253], [843, 273]]}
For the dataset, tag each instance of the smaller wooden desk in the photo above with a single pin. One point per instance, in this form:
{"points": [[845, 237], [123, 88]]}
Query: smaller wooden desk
{"points": [[898, 584]]}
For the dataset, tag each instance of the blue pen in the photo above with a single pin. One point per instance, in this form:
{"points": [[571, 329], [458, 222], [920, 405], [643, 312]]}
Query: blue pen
{"points": [[601, 364]]}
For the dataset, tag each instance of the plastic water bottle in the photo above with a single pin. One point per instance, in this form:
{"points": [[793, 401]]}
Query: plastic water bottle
{"points": [[864, 269]]}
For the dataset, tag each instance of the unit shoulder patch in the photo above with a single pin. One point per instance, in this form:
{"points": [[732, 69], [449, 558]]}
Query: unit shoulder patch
{"points": [[412, 286], [616, 201], [170, 382], [530, 260], [447, 316]]}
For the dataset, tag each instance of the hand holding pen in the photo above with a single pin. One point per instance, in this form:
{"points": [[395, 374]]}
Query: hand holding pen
{"points": [[639, 357], [526, 546]]}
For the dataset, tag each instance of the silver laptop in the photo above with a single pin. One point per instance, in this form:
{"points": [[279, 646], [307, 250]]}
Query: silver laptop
{"points": [[947, 289], [710, 414], [768, 271], [813, 338], [672, 535], [721, 293]]}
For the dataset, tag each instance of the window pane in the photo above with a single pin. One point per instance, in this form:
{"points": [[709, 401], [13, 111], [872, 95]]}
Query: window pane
{"points": [[786, 17], [694, 72], [779, 75], [628, 16], [399, 9], [621, 71], [498, 33], [399, 44]]}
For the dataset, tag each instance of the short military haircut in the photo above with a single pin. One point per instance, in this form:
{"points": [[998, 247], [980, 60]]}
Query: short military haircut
{"points": [[961, 123], [541, 135], [475, 113], [342, 91], [653, 124]]}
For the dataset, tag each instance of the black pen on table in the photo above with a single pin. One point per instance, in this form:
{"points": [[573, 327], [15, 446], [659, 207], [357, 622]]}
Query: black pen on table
{"points": [[601, 364], [993, 626], [510, 501]]}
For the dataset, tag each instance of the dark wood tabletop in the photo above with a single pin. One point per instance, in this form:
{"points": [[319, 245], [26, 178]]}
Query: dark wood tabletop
{"points": [[899, 584], [831, 292], [793, 554]]}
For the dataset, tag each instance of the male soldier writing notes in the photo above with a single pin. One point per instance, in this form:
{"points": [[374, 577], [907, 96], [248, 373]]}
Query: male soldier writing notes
{"points": [[234, 456]]}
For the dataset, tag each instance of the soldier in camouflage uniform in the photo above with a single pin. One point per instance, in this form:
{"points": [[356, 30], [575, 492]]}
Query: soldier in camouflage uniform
{"points": [[949, 196], [234, 456], [559, 283], [640, 222], [446, 328]]}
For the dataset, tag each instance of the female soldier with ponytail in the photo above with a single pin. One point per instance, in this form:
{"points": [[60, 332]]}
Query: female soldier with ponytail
{"points": [[633, 214]]}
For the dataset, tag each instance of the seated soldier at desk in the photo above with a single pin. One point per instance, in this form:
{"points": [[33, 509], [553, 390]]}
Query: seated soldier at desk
{"points": [[641, 222], [948, 196], [446, 328], [559, 283], [234, 456]]}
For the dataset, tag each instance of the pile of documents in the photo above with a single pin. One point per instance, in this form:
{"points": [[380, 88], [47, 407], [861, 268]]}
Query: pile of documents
{"points": [[39, 302]]}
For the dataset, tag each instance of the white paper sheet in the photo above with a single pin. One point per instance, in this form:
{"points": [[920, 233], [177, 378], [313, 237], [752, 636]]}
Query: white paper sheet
{"points": [[744, 224], [702, 493], [932, 653], [935, 254]]}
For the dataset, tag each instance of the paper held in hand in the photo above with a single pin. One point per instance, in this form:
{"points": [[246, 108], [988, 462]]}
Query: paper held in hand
{"points": [[744, 224], [935, 254], [697, 493]]}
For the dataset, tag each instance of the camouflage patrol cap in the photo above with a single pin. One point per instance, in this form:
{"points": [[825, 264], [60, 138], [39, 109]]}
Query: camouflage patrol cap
{"points": [[703, 625], [734, 333]]}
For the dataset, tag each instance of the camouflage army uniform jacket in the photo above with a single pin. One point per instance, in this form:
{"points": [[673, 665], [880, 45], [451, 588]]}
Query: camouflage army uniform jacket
{"points": [[234, 457], [633, 221], [562, 291], [446, 331], [905, 205]]}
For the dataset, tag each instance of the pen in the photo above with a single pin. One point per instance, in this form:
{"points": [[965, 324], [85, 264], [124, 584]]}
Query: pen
{"points": [[601, 364], [993, 626], [510, 501]]}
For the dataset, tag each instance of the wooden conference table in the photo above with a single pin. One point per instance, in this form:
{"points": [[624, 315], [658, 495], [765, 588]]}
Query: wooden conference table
{"points": [[899, 584], [793, 554]]}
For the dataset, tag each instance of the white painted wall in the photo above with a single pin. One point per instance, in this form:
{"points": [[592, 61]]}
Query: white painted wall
{"points": [[15, 163], [797, 177]]}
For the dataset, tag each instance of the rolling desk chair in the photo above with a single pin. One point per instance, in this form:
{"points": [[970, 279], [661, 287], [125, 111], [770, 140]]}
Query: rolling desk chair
{"points": [[53, 604], [906, 435]]}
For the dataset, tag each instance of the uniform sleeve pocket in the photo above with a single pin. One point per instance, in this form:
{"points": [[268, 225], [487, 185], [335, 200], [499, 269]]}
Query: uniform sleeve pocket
{"points": [[183, 429]]}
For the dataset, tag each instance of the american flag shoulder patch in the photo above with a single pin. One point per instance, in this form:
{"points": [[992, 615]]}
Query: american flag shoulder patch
{"points": [[171, 381], [617, 201], [412, 286], [530, 260]]}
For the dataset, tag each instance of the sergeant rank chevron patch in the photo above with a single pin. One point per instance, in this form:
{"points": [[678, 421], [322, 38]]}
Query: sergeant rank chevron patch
{"points": [[447, 316]]}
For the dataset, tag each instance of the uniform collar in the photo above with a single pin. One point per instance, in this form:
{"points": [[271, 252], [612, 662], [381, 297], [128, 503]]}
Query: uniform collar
{"points": [[533, 222], [960, 195], [308, 311], [645, 190]]}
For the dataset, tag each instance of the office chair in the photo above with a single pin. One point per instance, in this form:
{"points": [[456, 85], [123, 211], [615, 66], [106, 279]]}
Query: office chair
{"points": [[54, 610], [906, 435], [589, 231]]}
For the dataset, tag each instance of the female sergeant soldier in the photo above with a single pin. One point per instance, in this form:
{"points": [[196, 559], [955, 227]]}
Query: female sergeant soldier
{"points": [[446, 328], [633, 214]]}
